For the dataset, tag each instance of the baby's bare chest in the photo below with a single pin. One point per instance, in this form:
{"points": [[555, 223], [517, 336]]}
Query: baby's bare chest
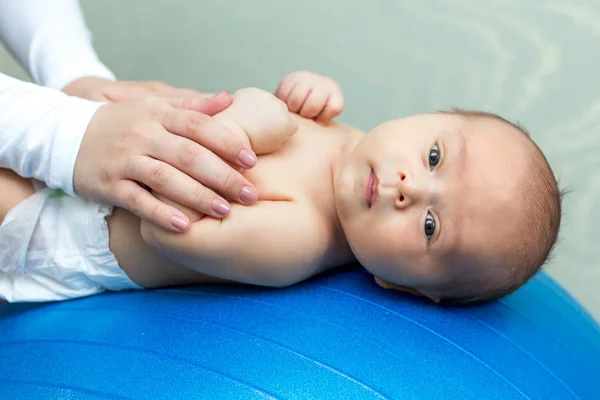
{"points": [[300, 171]]}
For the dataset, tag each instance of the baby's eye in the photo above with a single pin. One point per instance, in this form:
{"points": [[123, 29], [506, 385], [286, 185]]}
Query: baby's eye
{"points": [[434, 156], [429, 227]]}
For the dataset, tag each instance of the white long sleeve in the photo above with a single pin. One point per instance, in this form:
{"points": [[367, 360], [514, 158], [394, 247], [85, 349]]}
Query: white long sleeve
{"points": [[51, 40], [41, 130]]}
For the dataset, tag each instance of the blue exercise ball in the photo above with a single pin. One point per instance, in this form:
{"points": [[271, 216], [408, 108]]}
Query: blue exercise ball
{"points": [[336, 336]]}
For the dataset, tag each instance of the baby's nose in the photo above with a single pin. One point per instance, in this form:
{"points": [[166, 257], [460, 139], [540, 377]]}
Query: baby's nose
{"points": [[409, 192]]}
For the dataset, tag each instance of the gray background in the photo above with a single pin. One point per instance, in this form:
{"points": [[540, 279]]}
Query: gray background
{"points": [[535, 61]]}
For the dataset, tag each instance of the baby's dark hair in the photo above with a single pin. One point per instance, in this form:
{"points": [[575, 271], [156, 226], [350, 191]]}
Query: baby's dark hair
{"points": [[541, 222]]}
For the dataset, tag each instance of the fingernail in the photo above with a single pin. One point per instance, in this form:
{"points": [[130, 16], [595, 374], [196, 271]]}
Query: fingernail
{"points": [[248, 194], [220, 207], [247, 158], [179, 223]]}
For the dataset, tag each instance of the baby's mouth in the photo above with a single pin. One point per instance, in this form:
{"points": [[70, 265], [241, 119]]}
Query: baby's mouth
{"points": [[371, 189]]}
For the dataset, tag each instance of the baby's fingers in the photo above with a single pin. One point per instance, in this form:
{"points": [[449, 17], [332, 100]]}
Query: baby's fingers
{"points": [[314, 104], [297, 97], [333, 108], [284, 90]]}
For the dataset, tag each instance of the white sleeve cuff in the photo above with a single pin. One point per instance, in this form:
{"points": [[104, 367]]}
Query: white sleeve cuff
{"points": [[41, 130], [76, 116]]}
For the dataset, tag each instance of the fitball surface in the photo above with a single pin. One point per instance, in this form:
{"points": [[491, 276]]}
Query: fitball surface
{"points": [[337, 336]]}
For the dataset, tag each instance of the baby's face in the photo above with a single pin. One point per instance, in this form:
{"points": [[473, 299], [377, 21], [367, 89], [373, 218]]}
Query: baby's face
{"points": [[426, 199]]}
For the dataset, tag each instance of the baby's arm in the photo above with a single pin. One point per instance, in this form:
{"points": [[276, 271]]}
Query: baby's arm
{"points": [[145, 266], [311, 96], [271, 243]]}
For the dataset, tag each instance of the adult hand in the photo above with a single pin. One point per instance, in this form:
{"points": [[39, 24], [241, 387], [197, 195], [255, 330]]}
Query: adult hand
{"points": [[170, 145], [101, 89]]}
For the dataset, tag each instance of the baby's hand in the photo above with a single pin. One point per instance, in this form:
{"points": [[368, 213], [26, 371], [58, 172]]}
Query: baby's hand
{"points": [[311, 95], [260, 117]]}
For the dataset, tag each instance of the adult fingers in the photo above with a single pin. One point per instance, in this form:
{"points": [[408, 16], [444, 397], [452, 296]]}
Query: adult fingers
{"points": [[209, 105], [178, 186], [133, 197], [207, 132]]}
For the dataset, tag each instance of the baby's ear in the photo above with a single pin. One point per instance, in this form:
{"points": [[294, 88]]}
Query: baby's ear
{"points": [[388, 285]]}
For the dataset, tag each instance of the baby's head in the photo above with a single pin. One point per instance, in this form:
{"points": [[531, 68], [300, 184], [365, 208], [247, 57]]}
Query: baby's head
{"points": [[459, 206]]}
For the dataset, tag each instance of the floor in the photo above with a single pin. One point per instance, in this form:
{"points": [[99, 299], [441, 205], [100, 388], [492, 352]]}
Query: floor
{"points": [[532, 61]]}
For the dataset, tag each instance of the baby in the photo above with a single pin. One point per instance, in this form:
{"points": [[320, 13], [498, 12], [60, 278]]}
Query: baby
{"points": [[457, 206]]}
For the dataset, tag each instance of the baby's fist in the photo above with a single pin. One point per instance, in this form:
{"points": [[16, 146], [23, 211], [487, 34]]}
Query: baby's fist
{"points": [[311, 95]]}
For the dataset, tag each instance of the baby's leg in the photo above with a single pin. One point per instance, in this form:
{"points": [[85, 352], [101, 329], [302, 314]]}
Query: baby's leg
{"points": [[14, 190]]}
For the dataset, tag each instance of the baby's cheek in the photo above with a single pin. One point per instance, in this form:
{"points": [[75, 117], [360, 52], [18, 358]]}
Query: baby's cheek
{"points": [[401, 253]]}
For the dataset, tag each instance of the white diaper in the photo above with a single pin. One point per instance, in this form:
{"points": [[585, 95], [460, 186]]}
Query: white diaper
{"points": [[55, 247]]}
